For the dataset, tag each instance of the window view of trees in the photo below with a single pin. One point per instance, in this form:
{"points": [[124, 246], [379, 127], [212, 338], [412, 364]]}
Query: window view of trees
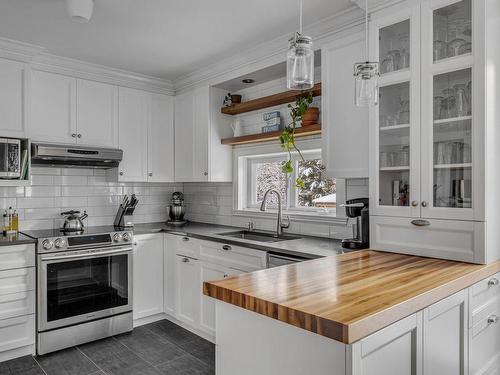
{"points": [[320, 191]]}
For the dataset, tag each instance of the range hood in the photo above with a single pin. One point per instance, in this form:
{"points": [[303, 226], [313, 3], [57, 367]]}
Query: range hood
{"points": [[75, 156]]}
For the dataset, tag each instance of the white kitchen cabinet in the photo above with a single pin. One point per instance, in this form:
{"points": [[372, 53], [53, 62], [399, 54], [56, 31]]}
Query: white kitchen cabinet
{"points": [[199, 127], [445, 336], [341, 120], [148, 275], [161, 139], [12, 90], [395, 350], [188, 288], [96, 114], [169, 277], [133, 120], [210, 271], [429, 131], [52, 108]]}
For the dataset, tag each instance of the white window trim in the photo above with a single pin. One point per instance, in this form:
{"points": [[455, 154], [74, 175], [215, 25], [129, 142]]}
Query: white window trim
{"points": [[241, 154]]}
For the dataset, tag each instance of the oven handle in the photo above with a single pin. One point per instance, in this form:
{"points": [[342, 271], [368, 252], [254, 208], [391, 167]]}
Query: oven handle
{"points": [[88, 255]]}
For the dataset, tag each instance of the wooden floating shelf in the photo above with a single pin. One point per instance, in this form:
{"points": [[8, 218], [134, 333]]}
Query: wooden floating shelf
{"points": [[269, 101], [394, 169], [453, 166], [451, 120], [263, 137]]}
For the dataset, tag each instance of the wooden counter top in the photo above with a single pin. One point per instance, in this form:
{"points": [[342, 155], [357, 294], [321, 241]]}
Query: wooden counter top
{"points": [[350, 296]]}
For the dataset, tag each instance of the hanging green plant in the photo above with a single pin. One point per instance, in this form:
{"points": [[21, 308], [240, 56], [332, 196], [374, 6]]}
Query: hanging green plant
{"points": [[287, 137]]}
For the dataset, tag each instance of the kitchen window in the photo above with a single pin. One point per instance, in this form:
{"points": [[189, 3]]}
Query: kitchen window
{"points": [[256, 173]]}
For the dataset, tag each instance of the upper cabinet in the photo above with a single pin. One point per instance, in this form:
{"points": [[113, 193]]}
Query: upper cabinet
{"points": [[341, 119], [429, 131], [12, 89], [68, 110], [52, 108], [96, 113], [199, 127], [145, 136], [133, 120]]}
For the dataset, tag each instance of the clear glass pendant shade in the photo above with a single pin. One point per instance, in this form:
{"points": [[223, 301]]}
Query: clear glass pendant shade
{"points": [[300, 63], [366, 77]]}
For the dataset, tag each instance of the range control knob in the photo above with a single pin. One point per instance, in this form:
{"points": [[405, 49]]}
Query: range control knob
{"points": [[47, 244], [126, 237], [59, 243], [117, 237]]}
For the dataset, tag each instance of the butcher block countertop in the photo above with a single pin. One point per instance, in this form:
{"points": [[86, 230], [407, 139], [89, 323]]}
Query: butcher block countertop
{"points": [[349, 296]]}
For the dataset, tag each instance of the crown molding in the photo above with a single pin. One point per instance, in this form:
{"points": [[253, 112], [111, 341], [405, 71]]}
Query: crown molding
{"points": [[376, 5], [269, 53], [38, 58]]}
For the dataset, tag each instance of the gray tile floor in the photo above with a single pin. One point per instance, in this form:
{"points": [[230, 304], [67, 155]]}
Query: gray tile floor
{"points": [[154, 349]]}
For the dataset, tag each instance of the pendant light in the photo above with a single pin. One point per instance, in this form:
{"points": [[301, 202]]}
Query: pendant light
{"points": [[300, 60], [366, 76]]}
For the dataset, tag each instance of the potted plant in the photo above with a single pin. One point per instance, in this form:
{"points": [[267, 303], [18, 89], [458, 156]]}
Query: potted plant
{"points": [[287, 137]]}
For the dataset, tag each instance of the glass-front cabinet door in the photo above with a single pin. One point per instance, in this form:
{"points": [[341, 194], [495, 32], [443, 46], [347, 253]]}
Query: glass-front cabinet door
{"points": [[395, 121], [448, 114]]}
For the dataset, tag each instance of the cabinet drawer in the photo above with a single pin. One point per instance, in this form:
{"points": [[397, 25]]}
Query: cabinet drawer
{"points": [[17, 332], [17, 304], [484, 337], [187, 246], [17, 280], [17, 256], [238, 257], [448, 239], [484, 291]]}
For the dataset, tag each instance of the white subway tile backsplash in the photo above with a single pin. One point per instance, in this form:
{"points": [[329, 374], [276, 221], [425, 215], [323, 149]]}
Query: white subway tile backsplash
{"points": [[41, 213], [42, 179], [70, 180], [35, 202], [42, 191], [77, 172], [7, 192], [70, 201]]}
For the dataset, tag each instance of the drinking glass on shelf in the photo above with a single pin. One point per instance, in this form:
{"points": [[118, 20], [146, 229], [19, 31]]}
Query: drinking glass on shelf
{"points": [[456, 43], [383, 159], [467, 153], [405, 51], [462, 102], [465, 48], [449, 103], [439, 45], [404, 156], [404, 112], [438, 107], [469, 95]]}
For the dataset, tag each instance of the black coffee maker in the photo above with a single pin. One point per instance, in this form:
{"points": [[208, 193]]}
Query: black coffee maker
{"points": [[358, 208]]}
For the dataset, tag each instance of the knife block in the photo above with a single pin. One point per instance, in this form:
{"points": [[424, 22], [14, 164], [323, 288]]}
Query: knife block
{"points": [[124, 217]]}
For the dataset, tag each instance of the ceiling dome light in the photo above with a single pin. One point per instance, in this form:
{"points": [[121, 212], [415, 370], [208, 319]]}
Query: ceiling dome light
{"points": [[80, 10]]}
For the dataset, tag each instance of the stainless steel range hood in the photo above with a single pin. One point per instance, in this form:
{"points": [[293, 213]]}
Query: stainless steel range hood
{"points": [[74, 156]]}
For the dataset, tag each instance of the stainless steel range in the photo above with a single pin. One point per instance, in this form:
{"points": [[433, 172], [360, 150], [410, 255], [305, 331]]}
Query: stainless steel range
{"points": [[84, 286]]}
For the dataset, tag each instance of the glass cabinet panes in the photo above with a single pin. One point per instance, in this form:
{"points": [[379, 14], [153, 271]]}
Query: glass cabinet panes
{"points": [[452, 139], [394, 47], [452, 29], [394, 145]]}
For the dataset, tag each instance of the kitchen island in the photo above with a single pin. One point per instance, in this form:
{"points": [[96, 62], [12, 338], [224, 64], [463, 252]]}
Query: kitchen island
{"points": [[366, 312]]}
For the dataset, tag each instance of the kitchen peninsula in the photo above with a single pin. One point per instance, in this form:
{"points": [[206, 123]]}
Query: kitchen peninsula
{"points": [[366, 312]]}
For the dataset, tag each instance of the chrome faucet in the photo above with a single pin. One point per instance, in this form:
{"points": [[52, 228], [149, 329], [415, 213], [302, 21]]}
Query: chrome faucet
{"points": [[279, 224]]}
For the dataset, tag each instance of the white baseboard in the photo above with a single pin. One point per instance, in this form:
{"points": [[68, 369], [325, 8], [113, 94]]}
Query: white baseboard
{"points": [[16, 353]]}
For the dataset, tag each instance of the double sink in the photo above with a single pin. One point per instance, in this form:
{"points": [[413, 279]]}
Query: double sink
{"points": [[258, 236]]}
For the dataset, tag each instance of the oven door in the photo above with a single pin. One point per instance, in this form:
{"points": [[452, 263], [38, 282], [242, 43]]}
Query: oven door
{"points": [[75, 287]]}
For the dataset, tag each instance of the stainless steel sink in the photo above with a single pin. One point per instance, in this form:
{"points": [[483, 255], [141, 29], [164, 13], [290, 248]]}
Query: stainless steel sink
{"points": [[258, 236]]}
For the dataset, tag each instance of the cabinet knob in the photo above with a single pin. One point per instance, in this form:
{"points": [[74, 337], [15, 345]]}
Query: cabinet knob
{"points": [[414, 203], [226, 276], [150, 174], [226, 247], [121, 173], [493, 319], [73, 135], [185, 238], [421, 223], [424, 204], [185, 260], [205, 174], [79, 136], [493, 282]]}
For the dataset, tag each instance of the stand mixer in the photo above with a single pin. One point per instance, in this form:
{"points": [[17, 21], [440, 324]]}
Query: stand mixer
{"points": [[176, 210]]}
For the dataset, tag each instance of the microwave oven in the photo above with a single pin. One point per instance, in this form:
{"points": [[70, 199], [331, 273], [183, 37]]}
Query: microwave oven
{"points": [[10, 158]]}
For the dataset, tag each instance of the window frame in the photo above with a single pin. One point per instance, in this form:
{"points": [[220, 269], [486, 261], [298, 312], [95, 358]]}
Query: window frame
{"points": [[244, 160]]}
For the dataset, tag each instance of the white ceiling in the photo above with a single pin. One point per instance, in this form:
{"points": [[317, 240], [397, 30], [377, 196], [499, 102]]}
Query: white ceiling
{"points": [[162, 38]]}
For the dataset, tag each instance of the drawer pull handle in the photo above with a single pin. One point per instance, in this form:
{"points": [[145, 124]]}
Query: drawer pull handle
{"points": [[493, 319], [185, 238], [226, 276], [185, 260], [226, 247], [493, 282], [421, 223]]}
